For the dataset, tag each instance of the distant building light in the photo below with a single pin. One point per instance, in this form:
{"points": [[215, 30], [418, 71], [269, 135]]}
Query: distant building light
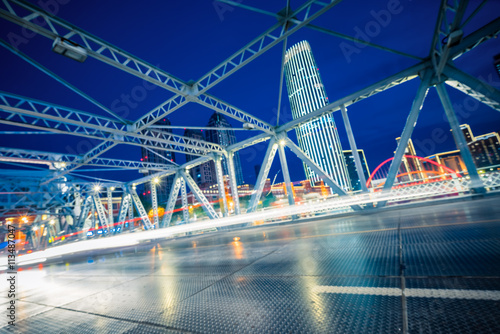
{"points": [[69, 49]]}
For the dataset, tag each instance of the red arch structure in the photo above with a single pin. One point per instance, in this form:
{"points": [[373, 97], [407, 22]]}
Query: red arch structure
{"points": [[449, 170]]}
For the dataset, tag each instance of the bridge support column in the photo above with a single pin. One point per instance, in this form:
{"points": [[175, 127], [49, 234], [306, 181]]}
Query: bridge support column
{"points": [[172, 199], [262, 177], [154, 203], [354, 149], [284, 168], [220, 185], [232, 182], [407, 132], [476, 183]]}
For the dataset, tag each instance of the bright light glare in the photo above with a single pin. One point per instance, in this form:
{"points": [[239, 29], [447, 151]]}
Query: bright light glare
{"points": [[96, 188], [332, 205], [52, 222], [282, 142], [156, 180], [39, 260]]}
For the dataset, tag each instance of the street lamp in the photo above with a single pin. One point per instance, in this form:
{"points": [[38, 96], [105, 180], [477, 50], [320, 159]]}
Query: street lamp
{"points": [[69, 49]]}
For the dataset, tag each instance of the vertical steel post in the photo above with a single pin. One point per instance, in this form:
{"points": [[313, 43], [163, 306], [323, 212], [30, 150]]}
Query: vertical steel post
{"points": [[262, 177], [185, 204], [207, 207], [476, 183], [172, 199], [354, 149], [407, 132], [232, 182], [286, 174], [110, 206], [154, 202], [220, 185]]}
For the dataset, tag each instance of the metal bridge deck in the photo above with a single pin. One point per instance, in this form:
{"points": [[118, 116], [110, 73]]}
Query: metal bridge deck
{"points": [[340, 275]]}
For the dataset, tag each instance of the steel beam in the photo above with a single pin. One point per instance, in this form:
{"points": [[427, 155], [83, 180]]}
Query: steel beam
{"points": [[94, 46], [221, 186], [315, 168], [407, 132], [440, 52], [317, 28], [87, 207], [473, 87], [185, 204], [140, 208], [207, 207], [354, 149], [109, 193], [488, 31], [394, 80], [89, 156], [172, 199], [154, 203], [271, 37], [21, 111], [62, 160], [59, 79], [232, 183], [225, 108], [124, 207], [110, 54], [284, 169], [103, 221], [262, 177], [476, 183]]}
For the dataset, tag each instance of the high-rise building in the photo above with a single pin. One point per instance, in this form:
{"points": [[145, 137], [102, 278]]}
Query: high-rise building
{"points": [[353, 171], [204, 175], [224, 137], [318, 138], [485, 149], [159, 156]]}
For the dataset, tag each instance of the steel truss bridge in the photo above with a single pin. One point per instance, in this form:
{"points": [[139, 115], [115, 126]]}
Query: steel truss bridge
{"points": [[56, 191]]}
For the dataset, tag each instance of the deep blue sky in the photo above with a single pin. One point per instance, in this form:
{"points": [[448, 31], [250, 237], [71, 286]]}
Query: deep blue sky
{"points": [[188, 38]]}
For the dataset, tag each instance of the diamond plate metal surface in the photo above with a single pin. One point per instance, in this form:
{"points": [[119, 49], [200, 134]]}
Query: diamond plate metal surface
{"points": [[328, 276], [285, 304]]}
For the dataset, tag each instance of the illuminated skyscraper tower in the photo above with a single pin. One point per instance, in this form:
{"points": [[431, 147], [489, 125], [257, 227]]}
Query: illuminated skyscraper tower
{"points": [[318, 138]]}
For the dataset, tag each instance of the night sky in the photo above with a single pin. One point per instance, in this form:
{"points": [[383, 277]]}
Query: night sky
{"points": [[188, 38]]}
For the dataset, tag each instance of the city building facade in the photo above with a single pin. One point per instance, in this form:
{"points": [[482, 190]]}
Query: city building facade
{"points": [[318, 138], [353, 171], [225, 137], [485, 149]]}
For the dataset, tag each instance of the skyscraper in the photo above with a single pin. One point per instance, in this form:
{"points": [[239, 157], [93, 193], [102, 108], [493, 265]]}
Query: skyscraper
{"points": [[224, 137], [318, 138], [352, 170], [159, 156], [204, 174]]}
